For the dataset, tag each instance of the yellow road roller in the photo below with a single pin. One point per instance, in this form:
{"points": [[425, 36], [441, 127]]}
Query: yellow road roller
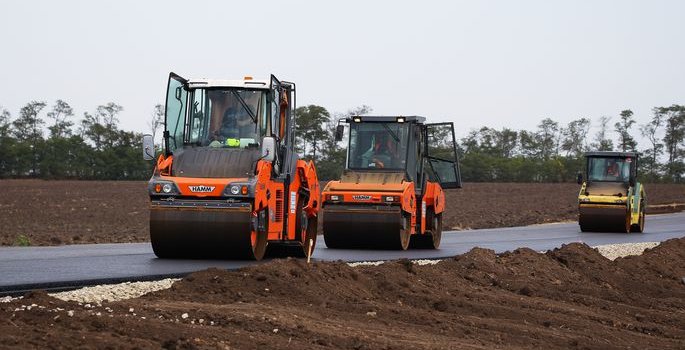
{"points": [[611, 199]]}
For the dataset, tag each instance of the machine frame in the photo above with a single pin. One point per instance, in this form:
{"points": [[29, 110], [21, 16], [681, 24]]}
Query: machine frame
{"points": [[391, 208], [611, 205], [274, 202]]}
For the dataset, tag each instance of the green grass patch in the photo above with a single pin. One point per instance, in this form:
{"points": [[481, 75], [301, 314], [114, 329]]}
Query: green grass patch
{"points": [[22, 241]]}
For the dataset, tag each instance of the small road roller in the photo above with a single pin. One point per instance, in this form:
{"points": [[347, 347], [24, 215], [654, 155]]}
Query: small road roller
{"points": [[390, 195], [611, 199], [228, 183]]}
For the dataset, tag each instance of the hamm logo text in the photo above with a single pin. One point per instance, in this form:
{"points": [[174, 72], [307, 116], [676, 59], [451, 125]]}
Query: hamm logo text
{"points": [[361, 197], [201, 189]]}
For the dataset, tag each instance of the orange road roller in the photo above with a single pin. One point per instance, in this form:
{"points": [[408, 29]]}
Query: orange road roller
{"points": [[228, 183], [390, 195]]}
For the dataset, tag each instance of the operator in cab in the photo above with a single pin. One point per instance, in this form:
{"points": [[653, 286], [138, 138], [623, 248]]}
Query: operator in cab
{"points": [[236, 125], [382, 154]]}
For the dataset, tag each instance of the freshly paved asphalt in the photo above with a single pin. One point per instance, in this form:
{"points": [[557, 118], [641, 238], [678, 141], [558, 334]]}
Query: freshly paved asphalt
{"points": [[62, 267]]}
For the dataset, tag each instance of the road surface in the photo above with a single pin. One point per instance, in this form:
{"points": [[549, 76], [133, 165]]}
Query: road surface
{"points": [[63, 267]]}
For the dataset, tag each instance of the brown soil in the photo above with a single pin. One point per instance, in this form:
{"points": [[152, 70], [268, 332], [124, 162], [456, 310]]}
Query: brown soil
{"points": [[489, 205], [73, 212], [571, 297]]}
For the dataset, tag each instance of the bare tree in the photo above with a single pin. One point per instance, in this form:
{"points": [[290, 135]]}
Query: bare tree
{"points": [[602, 143], [546, 138], [4, 122], [575, 137], [61, 127], [626, 142], [674, 141], [101, 126], [651, 130]]}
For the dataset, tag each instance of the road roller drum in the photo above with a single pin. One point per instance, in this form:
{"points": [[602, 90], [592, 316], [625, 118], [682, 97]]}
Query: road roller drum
{"points": [[362, 227]]}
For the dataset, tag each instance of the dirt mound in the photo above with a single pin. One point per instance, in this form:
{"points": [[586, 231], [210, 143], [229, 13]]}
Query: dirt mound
{"points": [[570, 297], [667, 260]]}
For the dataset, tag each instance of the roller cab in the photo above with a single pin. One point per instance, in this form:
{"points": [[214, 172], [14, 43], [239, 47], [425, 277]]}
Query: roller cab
{"points": [[610, 198], [390, 195], [228, 183]]}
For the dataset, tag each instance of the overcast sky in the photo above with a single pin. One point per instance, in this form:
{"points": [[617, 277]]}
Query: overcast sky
{"points": [[492, 63]]}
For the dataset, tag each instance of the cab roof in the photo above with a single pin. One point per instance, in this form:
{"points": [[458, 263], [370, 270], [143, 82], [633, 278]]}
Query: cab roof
{"points": [[611, 154], [219, 83], [384, 119]]}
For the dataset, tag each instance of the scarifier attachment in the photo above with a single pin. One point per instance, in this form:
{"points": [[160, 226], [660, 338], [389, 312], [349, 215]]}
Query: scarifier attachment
{"points": [[604, 218], [365, 227], [205, 230]]}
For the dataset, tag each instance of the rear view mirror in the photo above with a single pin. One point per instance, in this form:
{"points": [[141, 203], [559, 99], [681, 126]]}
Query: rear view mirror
{"points": [[148, 147], [269, 149], [339, 131], [580, 178]]}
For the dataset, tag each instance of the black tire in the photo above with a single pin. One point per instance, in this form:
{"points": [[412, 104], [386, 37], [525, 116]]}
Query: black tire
{"points": [[437, 232], [306, 230], [404, 234], [261, 236], [640, 226], [431, 239], [627, 227]]}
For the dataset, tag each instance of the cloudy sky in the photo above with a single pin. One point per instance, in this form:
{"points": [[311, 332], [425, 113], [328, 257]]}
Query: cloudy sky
{"points": [[494, 63]]}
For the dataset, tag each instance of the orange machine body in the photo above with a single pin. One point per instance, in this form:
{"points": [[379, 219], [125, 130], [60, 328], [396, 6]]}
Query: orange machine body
{"points": [[229, 183], [392, 186]]}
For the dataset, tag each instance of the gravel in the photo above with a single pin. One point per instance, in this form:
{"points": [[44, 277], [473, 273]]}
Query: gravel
{"points": [[377, 263], [128, 290], [114, 292], [426, 262], [613, 251], [365, 263]]}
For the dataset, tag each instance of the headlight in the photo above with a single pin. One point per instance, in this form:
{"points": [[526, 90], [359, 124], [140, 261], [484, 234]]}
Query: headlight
{"points": [[235, 189], [239, 189], [162, 188]]}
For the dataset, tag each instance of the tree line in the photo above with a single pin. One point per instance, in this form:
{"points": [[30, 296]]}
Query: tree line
{"points": [[92, 148], [551, 153], [49, 142]]}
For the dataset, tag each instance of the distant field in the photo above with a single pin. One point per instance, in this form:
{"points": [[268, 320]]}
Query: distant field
{"points": [[74, 212]]}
